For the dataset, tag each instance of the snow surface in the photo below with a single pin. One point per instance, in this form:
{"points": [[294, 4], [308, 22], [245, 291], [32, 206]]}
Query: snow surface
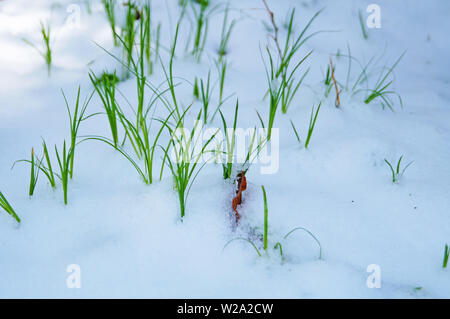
{"points": [[127, 237]]}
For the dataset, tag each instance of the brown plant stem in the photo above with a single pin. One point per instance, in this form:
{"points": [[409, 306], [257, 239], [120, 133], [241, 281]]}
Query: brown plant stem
{"points": [[338, 100]]}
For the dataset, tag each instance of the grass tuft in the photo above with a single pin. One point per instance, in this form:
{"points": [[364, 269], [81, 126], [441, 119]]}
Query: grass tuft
{"points": [[396, 173], [312, 125], [75, 120], [201, 30], [40, 166], [225, 35], [280, 76], [380, 90], [137, 131], [46, 53], [106, 90], [128, 35], [185, 166]]}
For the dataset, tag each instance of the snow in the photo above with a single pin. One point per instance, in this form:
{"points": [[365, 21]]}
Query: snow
{"points": [[128, 238]]}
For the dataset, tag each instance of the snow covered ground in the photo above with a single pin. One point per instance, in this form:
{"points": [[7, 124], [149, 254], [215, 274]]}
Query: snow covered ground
{"points": [[127, 237]]}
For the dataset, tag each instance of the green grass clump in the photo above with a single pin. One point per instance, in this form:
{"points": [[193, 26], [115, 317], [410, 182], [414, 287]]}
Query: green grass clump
{"points": [[201, 12], [225, 35], [381, 88], [291, 88], [37, 165], [137, 130], [75, 120], [106, 76], [379, 91], [7, 207], [46, 53], [201, 32], [185, 166], [275, 93], [289, 83], [281, 77], [139, 137], [65, 158], [312, 124], [281, 90], [292, 46], [40, 166], [397, 173], [106, 90]]}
